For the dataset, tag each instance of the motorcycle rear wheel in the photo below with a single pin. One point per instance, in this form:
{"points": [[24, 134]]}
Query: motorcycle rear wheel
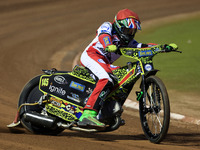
{"points": [[155, 111], [31, 94]]}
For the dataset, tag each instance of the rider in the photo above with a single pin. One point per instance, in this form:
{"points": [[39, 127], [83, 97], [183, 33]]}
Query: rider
{"points": [[100, 54]]}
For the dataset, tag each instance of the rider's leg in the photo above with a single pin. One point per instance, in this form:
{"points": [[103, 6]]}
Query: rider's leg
{"points": [[93, 104], [99, 66]]}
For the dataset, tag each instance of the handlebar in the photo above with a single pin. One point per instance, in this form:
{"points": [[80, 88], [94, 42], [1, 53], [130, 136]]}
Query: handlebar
{"points": [[143, 55], [176, 51], [170, 51], [144, 52]]}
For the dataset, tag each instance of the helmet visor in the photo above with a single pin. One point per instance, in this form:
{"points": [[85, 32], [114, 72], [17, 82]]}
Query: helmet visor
{"points": [[129, 31]]}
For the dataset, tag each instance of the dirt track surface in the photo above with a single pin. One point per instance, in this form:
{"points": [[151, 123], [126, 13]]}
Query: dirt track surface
{"points": [[32, 31]]}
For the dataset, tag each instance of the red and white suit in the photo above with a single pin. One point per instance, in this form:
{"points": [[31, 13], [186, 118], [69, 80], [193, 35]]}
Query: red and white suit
{"points": [[99, 61]]}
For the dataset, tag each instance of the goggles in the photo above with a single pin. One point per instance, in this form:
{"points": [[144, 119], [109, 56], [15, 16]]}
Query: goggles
{"points": [[129, 31], [138, 25]]}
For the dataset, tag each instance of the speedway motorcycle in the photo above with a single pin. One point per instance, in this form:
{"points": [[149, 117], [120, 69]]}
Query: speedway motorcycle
{"points": [[54, 101]]}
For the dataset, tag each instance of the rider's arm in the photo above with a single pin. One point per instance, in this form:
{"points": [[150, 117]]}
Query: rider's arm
{"points": [[104, 34], [105, 40], [135, 44]]}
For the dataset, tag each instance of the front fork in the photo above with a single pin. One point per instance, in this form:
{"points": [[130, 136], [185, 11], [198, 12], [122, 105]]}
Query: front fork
{"points": [[141, 95]]}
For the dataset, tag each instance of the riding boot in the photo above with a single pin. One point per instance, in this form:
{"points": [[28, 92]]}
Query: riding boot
{"points": [[88, 118]]}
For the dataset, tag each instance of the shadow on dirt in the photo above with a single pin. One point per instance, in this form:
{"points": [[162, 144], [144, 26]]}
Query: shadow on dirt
{"points": [[104, 136], [183, 139], [16, 130], [179, 139]]}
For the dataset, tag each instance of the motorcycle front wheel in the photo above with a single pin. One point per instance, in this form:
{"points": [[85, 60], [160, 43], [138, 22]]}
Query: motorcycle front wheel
{"points": [[154, 110], [31, 94]]}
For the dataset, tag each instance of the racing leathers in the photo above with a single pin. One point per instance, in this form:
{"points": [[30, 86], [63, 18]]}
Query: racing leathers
{"points": [[96, 59]]}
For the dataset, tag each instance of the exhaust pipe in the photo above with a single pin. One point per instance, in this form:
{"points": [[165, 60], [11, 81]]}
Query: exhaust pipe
{"points": [[40, 120]]}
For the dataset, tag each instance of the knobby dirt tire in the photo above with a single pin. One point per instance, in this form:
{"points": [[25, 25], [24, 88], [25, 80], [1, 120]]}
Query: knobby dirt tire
{"points": [[31, 94], [155, 111]]}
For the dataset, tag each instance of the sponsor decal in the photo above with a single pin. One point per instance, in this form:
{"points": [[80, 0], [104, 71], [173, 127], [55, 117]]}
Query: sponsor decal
{"points": [[112, 66], [45, 82], [60, 80], [70, 109], [148, 67], [89, 91], [77, 86], [74, 97], [88, 106], [106, 40], [57, 90], [102, 94], [145, 53], [105, 28], [101, 61], [104, 31], [85, 102], [77, 111], [56, 102]]}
